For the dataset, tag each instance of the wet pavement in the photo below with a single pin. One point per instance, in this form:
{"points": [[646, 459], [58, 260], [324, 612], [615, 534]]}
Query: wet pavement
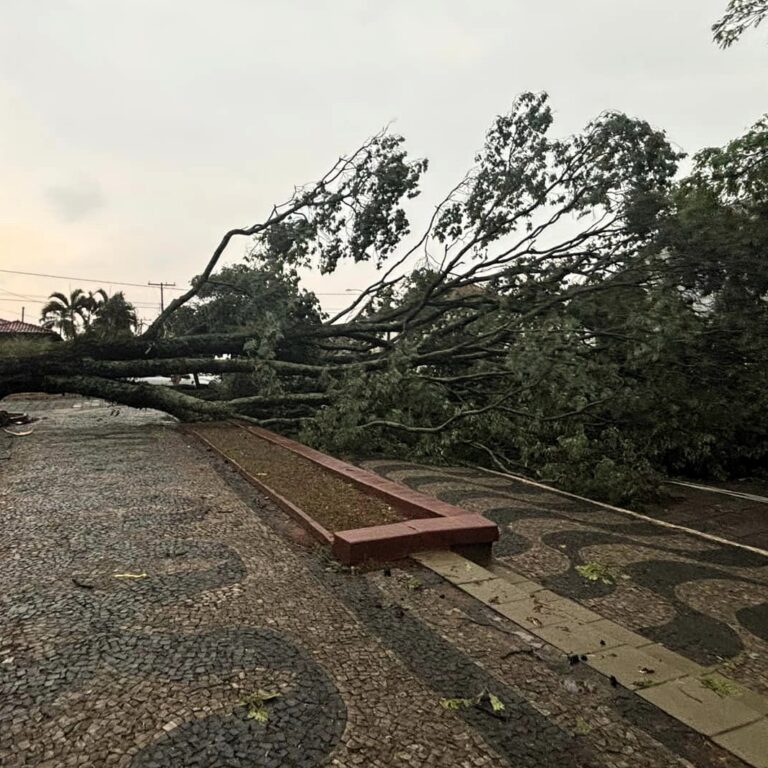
{"points": [[701, 598], [155, 610]]}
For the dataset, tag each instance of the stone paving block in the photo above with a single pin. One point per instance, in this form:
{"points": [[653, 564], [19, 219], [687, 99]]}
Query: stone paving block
{"points": [[700, 708], [531, 613], [626, 664], [453, 567], [494, 592], [513, 577], [661, 653], [593, 637], [750, 743], [627, 636], [739, 692], [571, 607]]}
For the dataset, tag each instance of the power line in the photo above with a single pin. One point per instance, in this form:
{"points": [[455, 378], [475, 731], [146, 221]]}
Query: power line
{"points": [[142, 285], [139, 304], [82, 279]]}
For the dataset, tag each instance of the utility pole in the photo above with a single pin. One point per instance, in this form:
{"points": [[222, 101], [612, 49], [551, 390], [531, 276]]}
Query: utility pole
{"points": [[162, 295]]}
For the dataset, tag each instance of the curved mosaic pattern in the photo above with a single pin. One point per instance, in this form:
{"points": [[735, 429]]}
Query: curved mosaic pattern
{"points": [[305, 722], [103, 666], [672, 587]]}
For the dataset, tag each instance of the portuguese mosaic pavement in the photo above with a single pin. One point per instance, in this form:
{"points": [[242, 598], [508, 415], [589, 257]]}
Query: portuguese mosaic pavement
{"points": [[703, 599], [156, 611]]}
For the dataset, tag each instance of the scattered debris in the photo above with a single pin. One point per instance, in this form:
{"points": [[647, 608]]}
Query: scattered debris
{"points": [[18, 434], [571, 685], [594, 571], [582, 727], [643, 683], [487, 624], [517, 651], [8, 418], [78, 582], [455, 703], [573, 660], [413, 583], [257, 704], [485, 701], [647, 670], [613, 681], [720, 686]]}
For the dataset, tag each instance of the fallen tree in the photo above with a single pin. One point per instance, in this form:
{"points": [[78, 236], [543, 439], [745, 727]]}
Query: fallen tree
{"points": [[505, 310]]}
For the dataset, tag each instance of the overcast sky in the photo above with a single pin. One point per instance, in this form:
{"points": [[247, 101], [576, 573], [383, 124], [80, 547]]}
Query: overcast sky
{"points": [[133, 133]]}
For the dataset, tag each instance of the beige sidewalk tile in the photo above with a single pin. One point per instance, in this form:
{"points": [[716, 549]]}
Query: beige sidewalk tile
{"points": [[699, 707], [750, 743], [595, 637], [494, 592], [634, 668], [453, 567]]}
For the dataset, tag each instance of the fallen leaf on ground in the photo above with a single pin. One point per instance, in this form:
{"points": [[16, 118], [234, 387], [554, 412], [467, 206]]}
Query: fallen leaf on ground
{"points": [[720, 686], [582, 727], [256, 703]]}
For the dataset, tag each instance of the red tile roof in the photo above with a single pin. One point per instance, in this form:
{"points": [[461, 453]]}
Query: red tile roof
{"points": [[16, 326]]}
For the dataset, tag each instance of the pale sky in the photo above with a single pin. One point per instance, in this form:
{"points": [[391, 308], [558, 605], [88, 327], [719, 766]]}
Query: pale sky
{"points": [[134, 133]]}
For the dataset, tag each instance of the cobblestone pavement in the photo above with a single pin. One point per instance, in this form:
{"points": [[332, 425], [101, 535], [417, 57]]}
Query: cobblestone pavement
{"points": [[707, 601], [152, 604], [737, 519]]}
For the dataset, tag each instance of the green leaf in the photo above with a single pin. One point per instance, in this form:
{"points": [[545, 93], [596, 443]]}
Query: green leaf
{"points": [[582, 727], [596, 572], [455, 703], [259, 714], [720, 686], [496, 703], [267, 695]]}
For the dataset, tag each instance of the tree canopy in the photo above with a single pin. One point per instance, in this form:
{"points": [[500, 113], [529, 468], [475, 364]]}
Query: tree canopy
{"points": [[571, 309], [94, 313], [739, 16]]}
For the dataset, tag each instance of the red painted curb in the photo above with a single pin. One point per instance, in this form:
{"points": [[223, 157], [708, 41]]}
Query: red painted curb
{"points": [[389, 542], [406, 501], [429, 524]]}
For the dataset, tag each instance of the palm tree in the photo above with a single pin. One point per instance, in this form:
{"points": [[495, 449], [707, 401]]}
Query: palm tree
{"points": [[113, 316], [66, 312], [94, 302]]}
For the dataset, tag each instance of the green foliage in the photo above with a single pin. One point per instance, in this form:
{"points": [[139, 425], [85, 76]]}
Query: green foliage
{"points": [[67, 314], [256, 704], [577, 315], [93, 313], [739, 16], [114, 317], [719, 685], [593, 571], [495, 703]]}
